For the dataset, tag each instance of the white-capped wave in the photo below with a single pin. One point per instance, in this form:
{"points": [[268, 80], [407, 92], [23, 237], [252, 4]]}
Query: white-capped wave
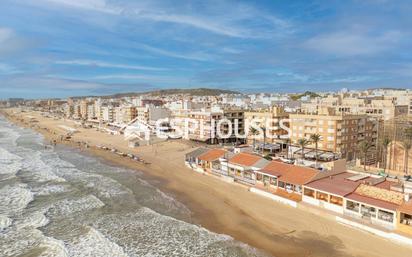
{"points": [[53, 248], [5, 222], [7, 156], [35, 219], [104, 187], [94, 243], [50, 189], [13, 199], [26, 241], [39, 170], [148, 233], [69, 206], [10, 136], [19, 242], [9, 167]]}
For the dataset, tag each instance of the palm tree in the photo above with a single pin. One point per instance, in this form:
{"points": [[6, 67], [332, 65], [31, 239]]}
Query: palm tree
{"points": [[364, 148], [302, 142], [264, 138], [385, 143], [253, 131], [315, 138], [406, 146], [287, 141]]}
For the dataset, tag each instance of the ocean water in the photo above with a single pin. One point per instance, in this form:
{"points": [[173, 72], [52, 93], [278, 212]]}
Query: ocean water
{"points": [[61, 202]]}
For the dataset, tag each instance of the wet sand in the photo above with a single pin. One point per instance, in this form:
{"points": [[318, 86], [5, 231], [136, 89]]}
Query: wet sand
{"points": [[228, 208]]}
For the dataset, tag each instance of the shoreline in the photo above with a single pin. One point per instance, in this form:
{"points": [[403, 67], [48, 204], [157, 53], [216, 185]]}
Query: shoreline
{"points": [[230, 209]]}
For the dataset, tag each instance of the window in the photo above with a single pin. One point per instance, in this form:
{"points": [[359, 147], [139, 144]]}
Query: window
{"points": [[385, 216], [368, 211], [309, 192], [352, 206], [322, 196], [336, 200]]}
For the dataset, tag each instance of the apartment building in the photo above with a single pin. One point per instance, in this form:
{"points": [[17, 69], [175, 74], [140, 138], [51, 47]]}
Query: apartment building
{"points": [[202, 125], [69, 111], [381, 107], [152, 113], [237, 128], [340, 133], [83, 109], [128, 113], [107, 113], [274, 119], [91, 113]]}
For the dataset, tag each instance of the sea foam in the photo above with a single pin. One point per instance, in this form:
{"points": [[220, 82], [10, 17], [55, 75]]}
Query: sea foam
{"points": [[13, 199]]}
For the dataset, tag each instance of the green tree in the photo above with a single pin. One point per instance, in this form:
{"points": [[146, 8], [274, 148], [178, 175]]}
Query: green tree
{"points": [[364, 148], [302, 142], [385, 144], [406, 146], [253, 131], [264, 138], [287, 141], [315, 138]]}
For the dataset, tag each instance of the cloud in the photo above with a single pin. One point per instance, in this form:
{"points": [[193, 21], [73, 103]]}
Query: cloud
{"points": [[196, 22], [11, 43], [92, 5], [47, 83], [350, 43], [140, 77], [94, 63], [6, 69], [235, 27], [5, 34], [199, 56], [32, 87]]}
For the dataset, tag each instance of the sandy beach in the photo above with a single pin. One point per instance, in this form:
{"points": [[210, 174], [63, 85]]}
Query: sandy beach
{"points": [[226, 208]]}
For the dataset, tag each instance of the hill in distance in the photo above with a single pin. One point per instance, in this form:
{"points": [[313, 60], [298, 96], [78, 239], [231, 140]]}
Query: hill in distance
{"points": [[166, 92]]}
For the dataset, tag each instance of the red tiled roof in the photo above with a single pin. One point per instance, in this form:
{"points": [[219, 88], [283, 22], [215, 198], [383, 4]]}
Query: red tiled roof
{"points": [[406, 207], [244, 159], [372, 201], [276, 168], [337, 184], [386, 184], [212, 155], [298, 175]]}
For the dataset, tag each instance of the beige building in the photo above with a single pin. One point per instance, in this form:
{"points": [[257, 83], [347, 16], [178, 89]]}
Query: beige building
{"points": [[128, 113], [378, 107], [204, 125], [107, 113], [84, 104], [340, 133], [273, 118], [151, 113], [236, 118]]}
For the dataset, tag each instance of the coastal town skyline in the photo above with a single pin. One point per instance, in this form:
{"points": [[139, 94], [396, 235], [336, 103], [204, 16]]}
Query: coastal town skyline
{"points": [[60, 48], [192, 128]]}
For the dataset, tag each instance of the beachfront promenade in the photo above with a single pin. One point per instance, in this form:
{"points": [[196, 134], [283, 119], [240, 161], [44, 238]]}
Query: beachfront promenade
{"points": [[372, 203]]}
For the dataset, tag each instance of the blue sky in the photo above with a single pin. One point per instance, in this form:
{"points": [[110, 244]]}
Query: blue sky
{"points": [[59, 48]]}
